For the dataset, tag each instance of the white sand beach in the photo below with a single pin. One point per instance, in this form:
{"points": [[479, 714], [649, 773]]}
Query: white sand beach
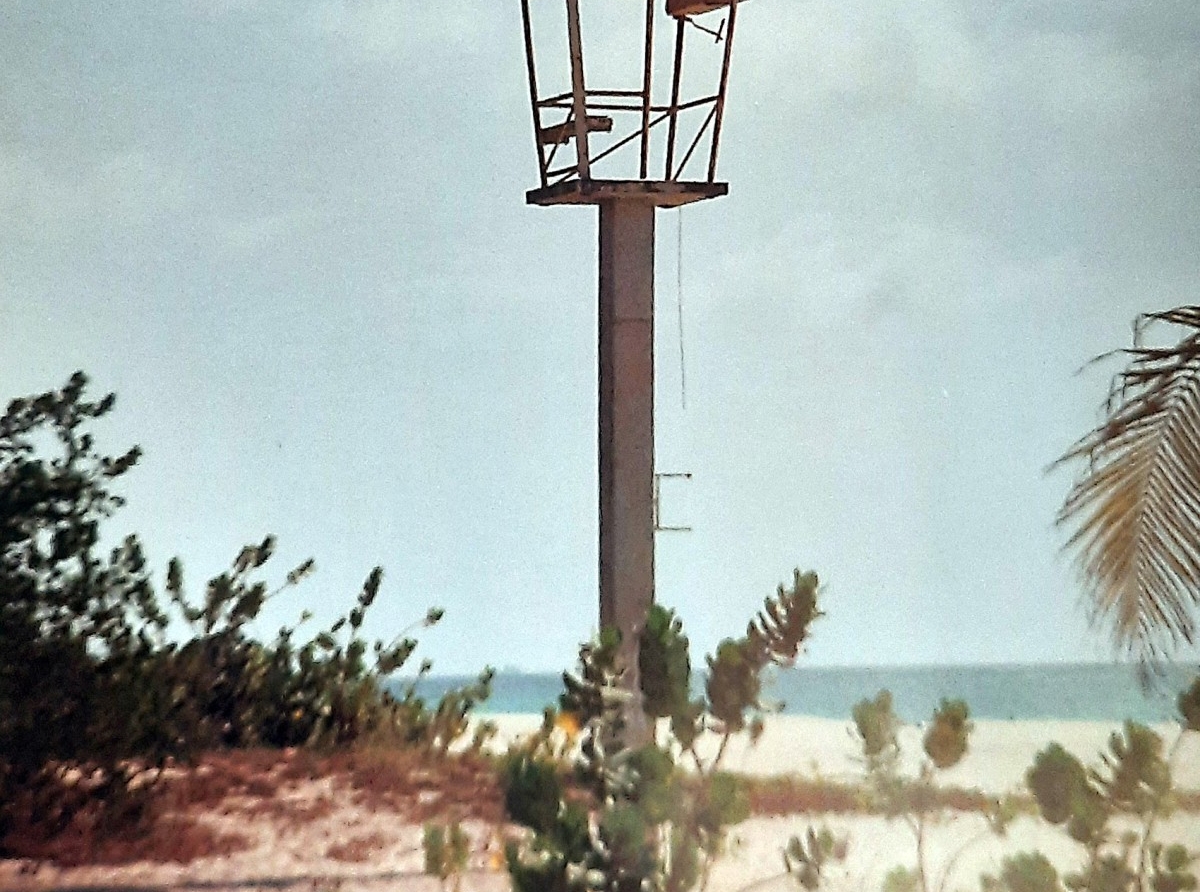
{"points": [[312, 856], [999, 754]]}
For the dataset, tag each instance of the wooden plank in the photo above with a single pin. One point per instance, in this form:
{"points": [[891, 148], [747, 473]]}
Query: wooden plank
{"points": [[684, 8], [564, 132]]}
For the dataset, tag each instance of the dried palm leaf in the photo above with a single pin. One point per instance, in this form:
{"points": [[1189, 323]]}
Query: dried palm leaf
{"points": [[1135, 510]]}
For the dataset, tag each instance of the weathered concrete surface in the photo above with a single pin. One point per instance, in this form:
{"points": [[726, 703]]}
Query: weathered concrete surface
{"points": [[626, 442]]}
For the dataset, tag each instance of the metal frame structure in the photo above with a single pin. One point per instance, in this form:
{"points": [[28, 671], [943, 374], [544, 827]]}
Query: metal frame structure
{"points": [[627, 484], [577, 113], [659, 526]]}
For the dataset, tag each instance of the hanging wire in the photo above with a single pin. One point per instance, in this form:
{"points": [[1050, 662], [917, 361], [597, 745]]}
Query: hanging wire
{"points": [[679, 307]]}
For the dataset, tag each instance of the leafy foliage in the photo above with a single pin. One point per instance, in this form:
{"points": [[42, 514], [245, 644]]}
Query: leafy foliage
{"points": [[1172, 868], [774, 637], [877, 726], [1189, 706], [533, 792], [734, 683], [446, 849], [1138, 778], [1132, 510], [595, 697], [629, 819], [913, 799], [901, 879], [805, 858], [664, 666], [1133, 777], [324, 692], [88, 678], [777, 634], [79, 628], [1065, 795], [1024, 872], [946, 740]]}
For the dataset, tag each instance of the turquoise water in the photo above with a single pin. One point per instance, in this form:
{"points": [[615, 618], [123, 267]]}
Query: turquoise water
{"points": [[1086, 692]]}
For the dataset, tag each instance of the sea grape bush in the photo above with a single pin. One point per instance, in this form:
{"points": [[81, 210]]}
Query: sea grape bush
{"points": [[79, 628], [88, 675], [325, 692], [912, 799], [1132, 779], [625, 819]]}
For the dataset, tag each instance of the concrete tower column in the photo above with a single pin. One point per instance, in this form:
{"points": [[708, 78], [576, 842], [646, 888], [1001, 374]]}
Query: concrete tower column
{"points": [[626, 443]]}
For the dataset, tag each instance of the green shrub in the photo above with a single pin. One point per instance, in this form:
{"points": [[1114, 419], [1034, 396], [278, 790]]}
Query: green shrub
{"points": [[88, 677], [664, 666], [805, 858], [1172, 868], [446, 849], [877, 726], [1065, 795], [1024, 872], [901, 879], [1133, 778], [80, 629], [914, 799], [533, 792], [657, 829], [945, 742]]}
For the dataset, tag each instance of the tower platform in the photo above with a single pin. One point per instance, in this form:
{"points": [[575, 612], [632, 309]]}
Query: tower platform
{"points": [[660, 193]]}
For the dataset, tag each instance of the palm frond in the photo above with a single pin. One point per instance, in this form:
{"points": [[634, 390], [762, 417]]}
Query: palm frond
{"points": [[1134, 513]]}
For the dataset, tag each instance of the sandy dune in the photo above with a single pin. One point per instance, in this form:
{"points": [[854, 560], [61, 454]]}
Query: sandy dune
{"points": [[352, 846]]}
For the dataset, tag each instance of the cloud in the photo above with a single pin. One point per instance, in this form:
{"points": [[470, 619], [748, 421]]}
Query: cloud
{"points": [[248, 233], [938, 212], [859, 51], [387, 30], [44, 201]]}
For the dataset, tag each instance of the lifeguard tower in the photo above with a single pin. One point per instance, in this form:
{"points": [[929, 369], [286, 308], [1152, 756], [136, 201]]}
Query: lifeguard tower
{"points": [[647, 139]]}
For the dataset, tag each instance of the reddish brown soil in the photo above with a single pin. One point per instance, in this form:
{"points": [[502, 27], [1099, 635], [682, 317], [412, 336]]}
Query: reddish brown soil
{"points": [[775, 796], [357, 850], [63, 826]]}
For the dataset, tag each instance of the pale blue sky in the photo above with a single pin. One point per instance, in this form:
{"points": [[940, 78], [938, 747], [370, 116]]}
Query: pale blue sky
{"points": [[292, 237]]}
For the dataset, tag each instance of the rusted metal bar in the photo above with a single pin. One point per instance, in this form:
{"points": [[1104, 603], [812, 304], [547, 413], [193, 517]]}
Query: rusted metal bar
{"points": [[674, 110], [720, 106], [553, 152], [613, 106], [646, 71], [578, 91], [557, 97], [614, 92], [695, 142], [621, 107], [619, 144], [533, 97], [625, 140], [683, 106]]}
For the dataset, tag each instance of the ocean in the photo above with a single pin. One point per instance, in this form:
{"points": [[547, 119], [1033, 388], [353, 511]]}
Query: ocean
{"points": [[1074, 692]]}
